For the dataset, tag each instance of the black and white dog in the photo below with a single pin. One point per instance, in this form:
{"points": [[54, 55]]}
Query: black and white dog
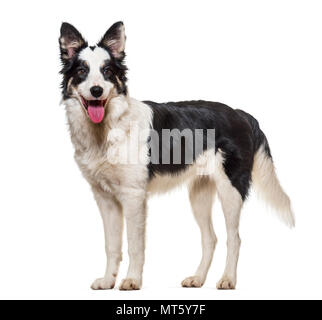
{"points": [[128, 150]]}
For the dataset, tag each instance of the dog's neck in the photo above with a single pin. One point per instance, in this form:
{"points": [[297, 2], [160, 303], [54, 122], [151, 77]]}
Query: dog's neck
{"points": [[86, 135]]}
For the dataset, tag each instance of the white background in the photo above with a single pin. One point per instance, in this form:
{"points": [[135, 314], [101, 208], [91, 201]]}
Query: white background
{"points": [[262, 56]]}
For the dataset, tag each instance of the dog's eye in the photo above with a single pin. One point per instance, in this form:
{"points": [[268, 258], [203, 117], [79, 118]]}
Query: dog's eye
{"points": [[81, 71], [107, 72]]}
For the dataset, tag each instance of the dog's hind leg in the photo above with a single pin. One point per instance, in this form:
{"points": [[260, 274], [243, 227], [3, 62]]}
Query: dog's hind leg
{"points": [[231, 202], [201, 194]]}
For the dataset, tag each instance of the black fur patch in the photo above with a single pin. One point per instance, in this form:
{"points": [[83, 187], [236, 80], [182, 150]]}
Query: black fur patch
{"points": [[74, 73], [116, 63], [70, 65], [117, 74], [237, 135], [70, 34]]}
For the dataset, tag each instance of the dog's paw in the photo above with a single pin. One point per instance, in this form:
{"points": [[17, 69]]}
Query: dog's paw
{"points": [[226, 284], [130, 284], [103, 284], [192, 282]]}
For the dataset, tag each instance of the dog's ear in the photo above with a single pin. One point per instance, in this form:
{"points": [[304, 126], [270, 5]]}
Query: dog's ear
{"points": [[70, 41], [114, 40]]}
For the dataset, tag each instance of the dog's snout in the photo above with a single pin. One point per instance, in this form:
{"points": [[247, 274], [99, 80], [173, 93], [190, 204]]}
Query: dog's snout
{"points": [[96, 91]]}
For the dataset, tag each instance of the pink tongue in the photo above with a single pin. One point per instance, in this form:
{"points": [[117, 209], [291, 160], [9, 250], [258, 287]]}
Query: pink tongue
{"points": [[96, 114]]}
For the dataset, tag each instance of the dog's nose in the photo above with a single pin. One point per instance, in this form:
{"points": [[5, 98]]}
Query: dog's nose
{"points": [[96, 91]]}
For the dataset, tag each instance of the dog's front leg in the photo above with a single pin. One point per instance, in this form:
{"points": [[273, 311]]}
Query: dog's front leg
{"points": [[134, 209], [113, 228]]}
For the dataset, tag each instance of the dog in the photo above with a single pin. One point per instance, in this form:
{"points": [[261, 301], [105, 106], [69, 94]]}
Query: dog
{"points": [[233, 155]]}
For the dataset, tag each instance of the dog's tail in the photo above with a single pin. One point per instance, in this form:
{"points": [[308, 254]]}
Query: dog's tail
{"points": [[264, 177]]}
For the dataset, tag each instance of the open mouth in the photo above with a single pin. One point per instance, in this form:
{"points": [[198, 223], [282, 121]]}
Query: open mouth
{"points": [[95, 109]]}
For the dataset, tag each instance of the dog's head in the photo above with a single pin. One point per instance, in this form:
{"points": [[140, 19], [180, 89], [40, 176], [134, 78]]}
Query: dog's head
{"points": [[93, 74]]}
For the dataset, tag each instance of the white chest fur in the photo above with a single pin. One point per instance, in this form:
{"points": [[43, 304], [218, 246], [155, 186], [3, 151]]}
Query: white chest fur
{"points": [[104, 152]]}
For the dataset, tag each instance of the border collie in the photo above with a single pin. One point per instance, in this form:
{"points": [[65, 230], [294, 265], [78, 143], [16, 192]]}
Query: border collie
{"points": [[209, 146]]}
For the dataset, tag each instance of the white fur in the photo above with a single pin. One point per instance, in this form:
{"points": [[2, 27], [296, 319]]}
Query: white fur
{"points": [[201, 194], [95, 59], [269, 189], [111, 212]]}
